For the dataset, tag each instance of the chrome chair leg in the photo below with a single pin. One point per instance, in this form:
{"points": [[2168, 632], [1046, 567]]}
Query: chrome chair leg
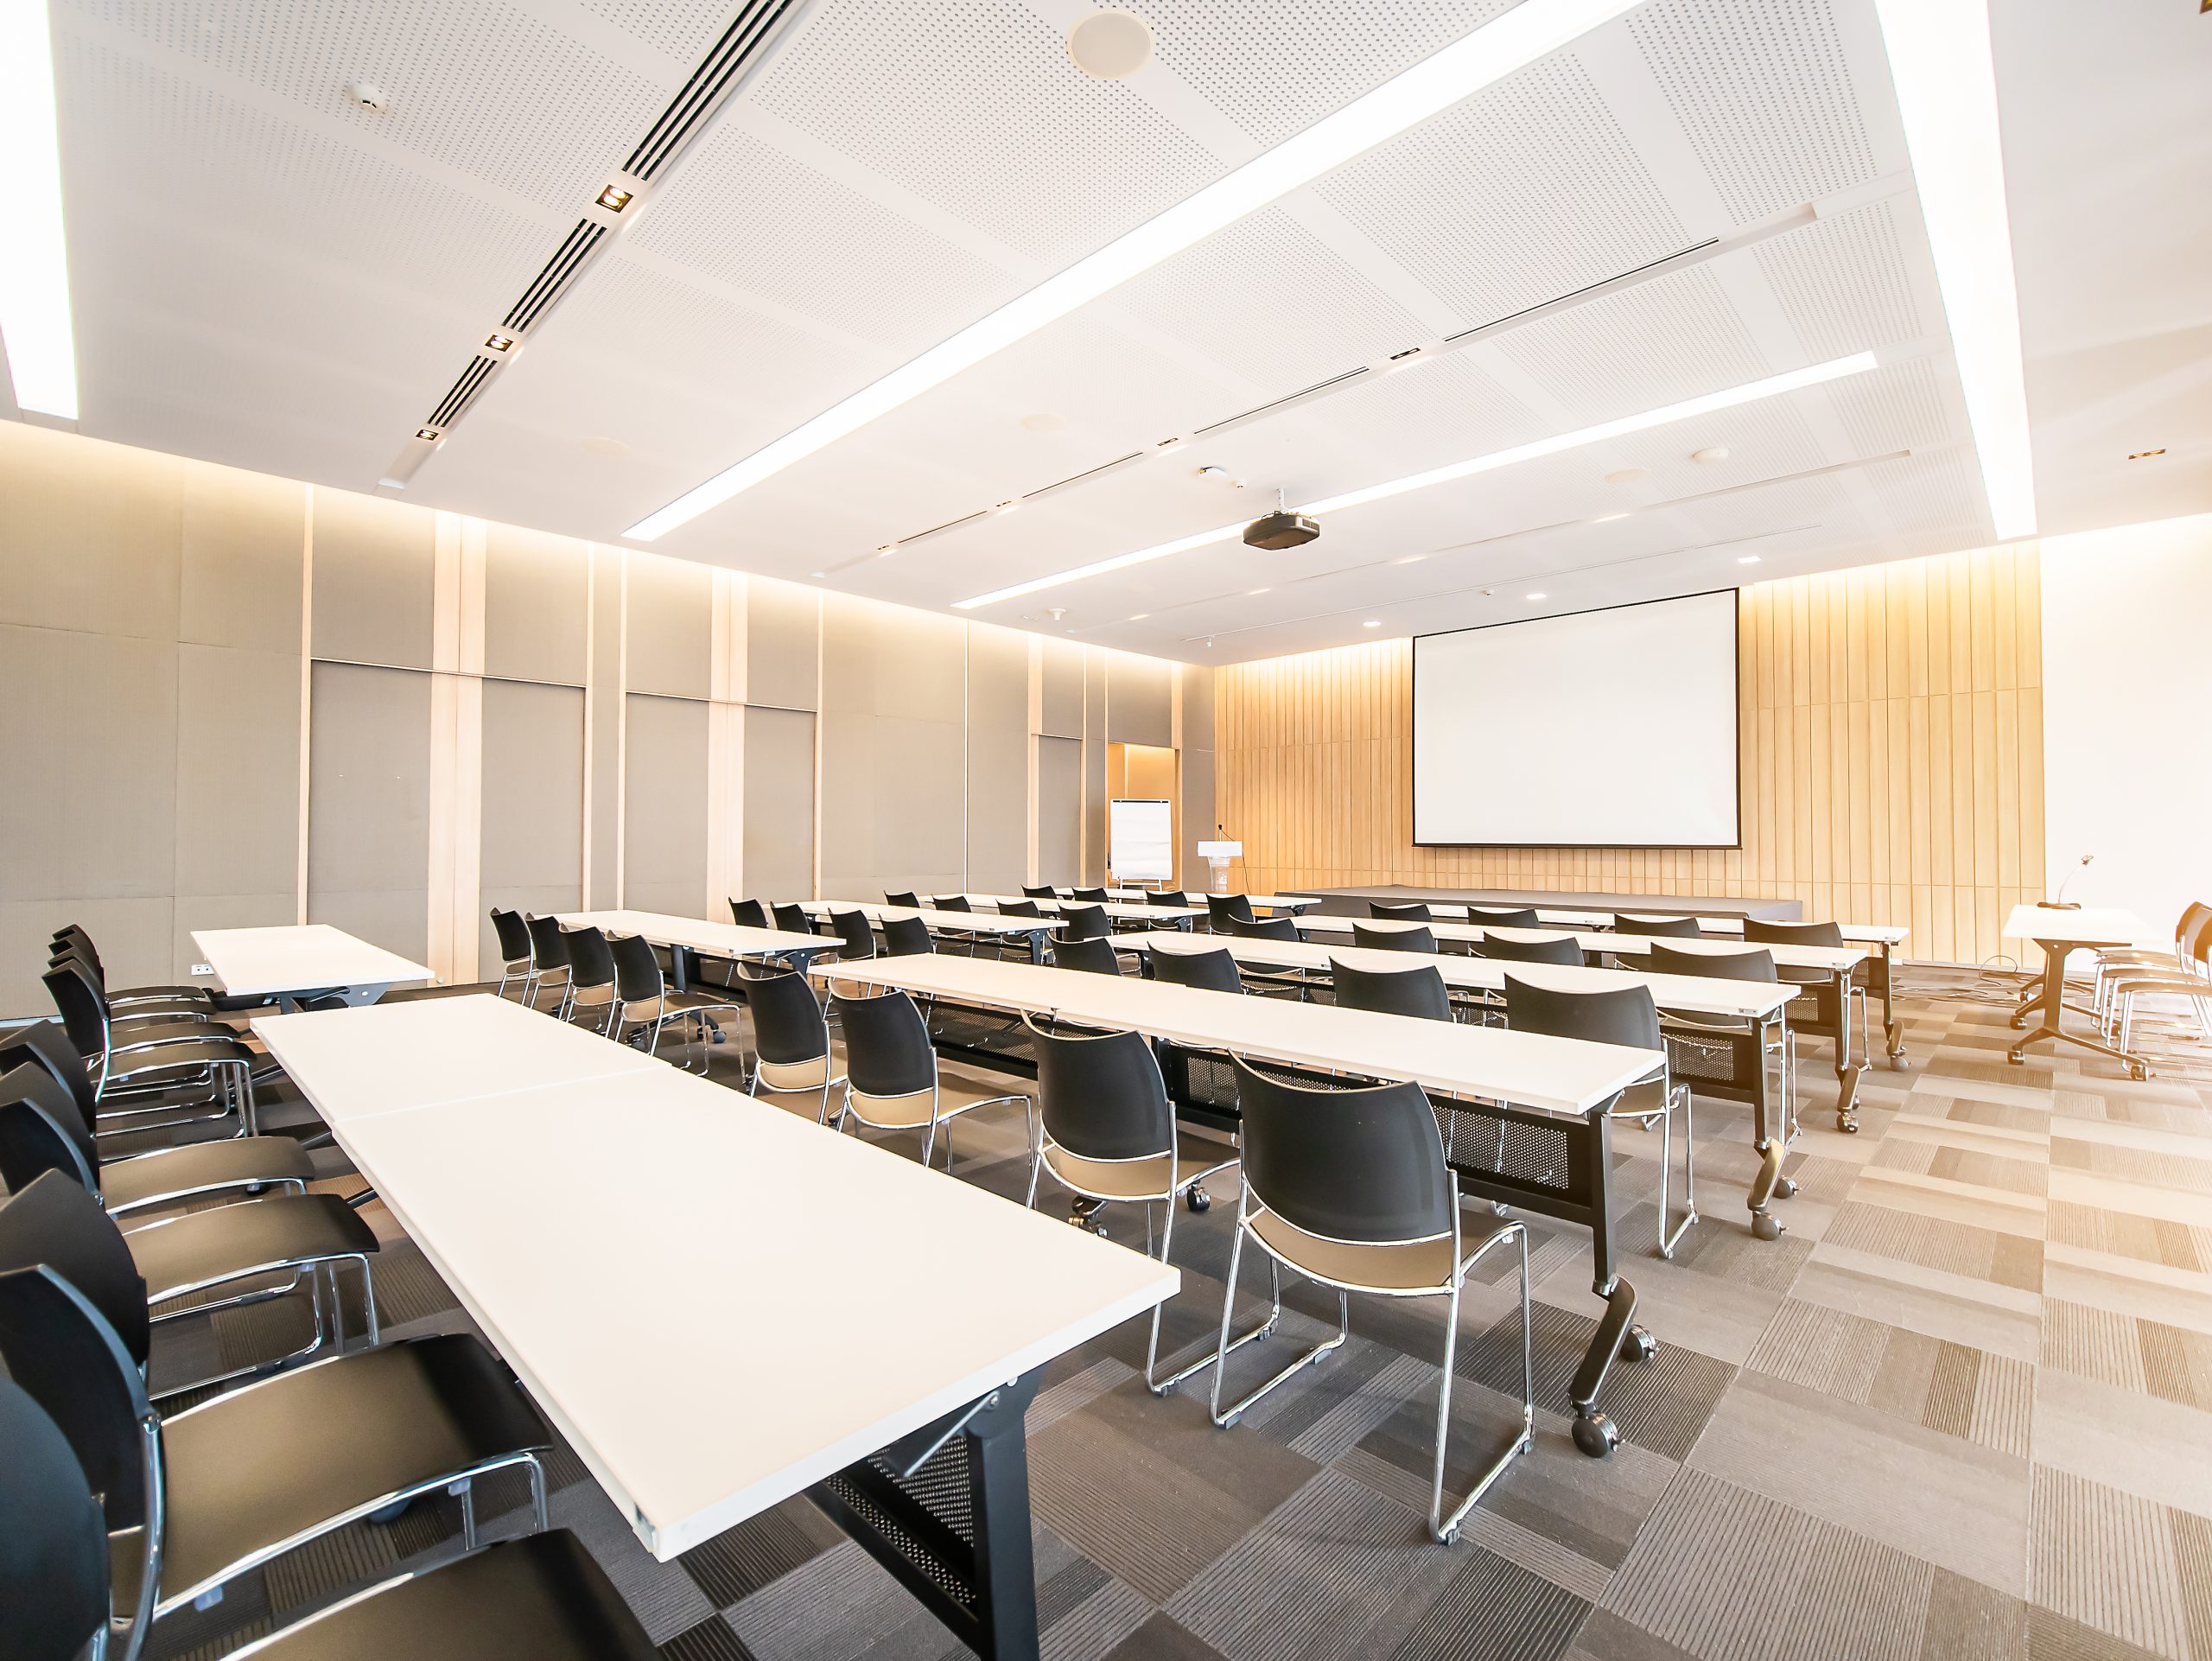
{"points": [[1226, 1416], [1444, 1530]]}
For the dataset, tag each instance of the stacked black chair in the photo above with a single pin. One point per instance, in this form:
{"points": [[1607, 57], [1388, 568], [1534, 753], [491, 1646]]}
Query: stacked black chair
{"points": [[155, 1069]]}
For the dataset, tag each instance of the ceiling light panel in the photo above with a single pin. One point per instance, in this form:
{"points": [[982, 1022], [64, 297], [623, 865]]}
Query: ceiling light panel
{"points": [[36, 324], [1072, 162]]}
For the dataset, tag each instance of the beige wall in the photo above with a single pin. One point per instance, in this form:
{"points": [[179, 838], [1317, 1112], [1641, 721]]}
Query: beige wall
{"points": [[1891, 726], [237, 700]]}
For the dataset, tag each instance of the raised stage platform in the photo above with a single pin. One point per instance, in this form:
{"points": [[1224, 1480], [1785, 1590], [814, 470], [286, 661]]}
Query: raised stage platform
{"points": [[1351, 902]]}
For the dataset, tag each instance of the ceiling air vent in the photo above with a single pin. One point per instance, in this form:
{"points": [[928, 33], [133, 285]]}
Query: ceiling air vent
{"points": [[727, 63]]}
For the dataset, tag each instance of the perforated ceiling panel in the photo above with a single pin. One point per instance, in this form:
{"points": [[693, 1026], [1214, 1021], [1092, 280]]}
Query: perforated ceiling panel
{"points": [[1276, 66], [1842, 281], [679, 30], [1640, 348], [1764, 94], [1468, 202], [467, 80], [999, 128], [1900, 406]]}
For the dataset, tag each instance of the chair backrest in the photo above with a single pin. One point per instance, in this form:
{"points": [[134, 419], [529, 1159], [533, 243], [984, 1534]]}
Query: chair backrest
{"points": [[1167, 897], [1418, 991], [53, 1561], [1222, 909], [44, 1044], [1663, 928], [1262, 928], [787, 1023], [1754, 965], [549, 947], [58, 1346], [888, 1049], [1364, 1164], [2192, 928], [907, 937], [1616, 1014], [1759, 932], [907, 898], [1393, 939], [55, 1221], [792, 919], [1411, 912], [1210, 970], [1019, 908], [1089, 952], [514, 936], [1552, 948], [1038, 891], [590, 963], [83, 1010], [1084, 922], [40, 1131], [636, 969], [1504, 916], [1101, 1094], [748, 914], [856, 938], [1090, 896], [952, 903]]}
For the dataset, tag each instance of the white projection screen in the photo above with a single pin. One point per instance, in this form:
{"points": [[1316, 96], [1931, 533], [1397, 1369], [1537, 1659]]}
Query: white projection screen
{"points": [[1612, 729]]}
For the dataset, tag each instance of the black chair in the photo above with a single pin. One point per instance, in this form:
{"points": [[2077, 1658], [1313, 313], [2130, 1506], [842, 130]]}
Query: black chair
{"points": [[1174, 897], [1082, 922], [1658, 928], [1622, 1015], [792, 919], [1019, 908], [1089, 953], [1290, 979], [223, 1258], [791, 1038], [54, 1547], [1090, 896], [1504, 916], [1108, 1135], [857, 940], [1419, 991], [1210, 970], [514, 948], [1224, 911], [749, 914], [907, 937], [1831, 999], [1409, 938], [155, 1073], [43, 1128], [1411, 912], [77, 941], [1040, 891], [907, 900], [1349, 1187], [968, 939], [214, 1492], [591, 977], [1017, 946], [1262, 928], [1754, 963], [891, 1074], [548, 961], [1551, 948], [643, 1005]]}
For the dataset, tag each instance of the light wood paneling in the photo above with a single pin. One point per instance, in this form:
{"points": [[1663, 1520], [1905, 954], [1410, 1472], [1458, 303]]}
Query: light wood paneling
{"points": [[1892, 743]]}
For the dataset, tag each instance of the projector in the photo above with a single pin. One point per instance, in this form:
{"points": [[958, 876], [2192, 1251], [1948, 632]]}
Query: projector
{"points": [[1281, 528]]}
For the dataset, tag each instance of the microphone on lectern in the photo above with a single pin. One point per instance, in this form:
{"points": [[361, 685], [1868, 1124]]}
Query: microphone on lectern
{"points": [[2063, 903]]}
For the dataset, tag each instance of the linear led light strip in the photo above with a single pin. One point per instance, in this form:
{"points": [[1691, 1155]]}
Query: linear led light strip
{"points": [[1751, 393], [35, 319], [1529, 31], [1947, 96]]}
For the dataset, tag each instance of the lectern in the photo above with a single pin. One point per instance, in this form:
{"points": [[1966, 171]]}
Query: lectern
{"points": [[1217, 856]]}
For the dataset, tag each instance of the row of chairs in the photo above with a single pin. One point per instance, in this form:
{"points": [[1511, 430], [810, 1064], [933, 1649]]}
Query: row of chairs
{"points": [[2122, 976]]}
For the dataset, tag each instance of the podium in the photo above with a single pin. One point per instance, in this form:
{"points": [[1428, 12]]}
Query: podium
{"points": [[1218, 855]]}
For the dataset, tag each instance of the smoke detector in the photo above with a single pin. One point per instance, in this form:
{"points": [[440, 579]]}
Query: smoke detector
{"points": [[369, 96]]}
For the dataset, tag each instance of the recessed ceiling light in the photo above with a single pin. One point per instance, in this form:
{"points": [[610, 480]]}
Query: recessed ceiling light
{"points": [[1709, 455], [1747, 559], [430, 434], [1248, 593], [1608, 519], [614, 199], [34, 318], [1044, 421], [1947, 94], [1480, 59], [1008, 507], [600, 445], [1166, 444], [496, 342], [1372, 622], [817, 573], [1627, 476], [1138, 617], [1539, 594], [1751, 391], [2144, 456], [1409, 559], [1110, 44]]}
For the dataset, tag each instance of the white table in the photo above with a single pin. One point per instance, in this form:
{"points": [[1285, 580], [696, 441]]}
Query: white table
{"points": [[1257, 901], [684, 936], [1120, 911], [2060, 932], [721, 1304], [298, 961], [1034, 929], [1550, 1095]]}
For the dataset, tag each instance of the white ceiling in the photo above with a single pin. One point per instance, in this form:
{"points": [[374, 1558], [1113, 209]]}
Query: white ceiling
{"points": [[267, 276]]}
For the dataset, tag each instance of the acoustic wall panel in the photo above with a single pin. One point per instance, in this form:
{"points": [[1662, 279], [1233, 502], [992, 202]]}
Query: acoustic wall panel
{"points": [[88, 534], [374, 570], [531, 839], [368, 804], [1061, 700], [1059, 810], [783, 644], [998, 760], [664, 806], [238, 792], [1140, 700], [779, 805], [535, 615], [670, 606], [243, 564]]}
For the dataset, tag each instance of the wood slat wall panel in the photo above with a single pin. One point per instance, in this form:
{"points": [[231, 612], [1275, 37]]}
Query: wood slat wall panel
{"points": [[1892, 761]]}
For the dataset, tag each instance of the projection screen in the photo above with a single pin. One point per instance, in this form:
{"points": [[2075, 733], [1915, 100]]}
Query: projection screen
{"points": [[1612, 729]]}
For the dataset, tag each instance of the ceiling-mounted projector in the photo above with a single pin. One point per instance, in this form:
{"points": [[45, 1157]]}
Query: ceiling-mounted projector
{"points": [[1281, 528]]}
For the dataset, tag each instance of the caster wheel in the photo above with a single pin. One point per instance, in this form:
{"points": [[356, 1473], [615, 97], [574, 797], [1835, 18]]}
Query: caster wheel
{"points": [[1785, 1187], [1898, 1061], [1451, 1536], [1638, 1344], [2017, 1057], [1596, 1434], [1764, 1227], [1847, 1125], [1198, 1199], [2139, 1071]]}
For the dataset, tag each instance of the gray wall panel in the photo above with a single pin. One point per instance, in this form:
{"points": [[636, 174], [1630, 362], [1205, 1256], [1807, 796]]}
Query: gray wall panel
{"points": [[779, 804], [217, 911], [368, 804], [1198, 812], [672, 603], [237, 773], [1062, 689], [604, 787], [535, 609], [891, 796], [998, 809], [998, 677], [664, 813], [133, 936], [375, 569], [783, 642], [531, 852], [910, 664], [1059, 810], [88, 534], [244, 541], [1094, 767], [1140, 694], [1198, 706]]}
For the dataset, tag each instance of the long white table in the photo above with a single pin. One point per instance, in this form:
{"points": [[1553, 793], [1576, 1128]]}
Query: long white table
{"points": [[1545, 1098], [1035, 930], [685, 936], [1257, 901], [293, 961], [718, 1303], [2060, 932], [1120, 911]]}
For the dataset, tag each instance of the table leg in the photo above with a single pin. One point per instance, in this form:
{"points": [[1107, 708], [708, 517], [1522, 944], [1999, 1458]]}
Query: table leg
{"points": [[2051, 1001], [1617, 1335], [1772, 1141], [1846, 1072], [679, 977], [1892, 1030]]}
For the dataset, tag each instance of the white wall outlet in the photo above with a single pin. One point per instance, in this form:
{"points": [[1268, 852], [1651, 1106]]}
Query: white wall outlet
{"points": [[203, 969]]}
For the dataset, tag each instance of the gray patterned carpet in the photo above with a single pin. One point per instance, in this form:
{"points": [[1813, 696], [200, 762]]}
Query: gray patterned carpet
{"points": [[1962, 1409]]}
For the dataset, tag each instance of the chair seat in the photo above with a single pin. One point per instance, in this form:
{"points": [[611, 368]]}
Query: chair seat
{"points": [[209, 1245], [908, 1112], [177, 1059], [542, 1598], [1122, 1178], [810, 1074], [1410, 1266], [183, 1171], [260, 1466], [197, 995], [1644, 1096]]}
